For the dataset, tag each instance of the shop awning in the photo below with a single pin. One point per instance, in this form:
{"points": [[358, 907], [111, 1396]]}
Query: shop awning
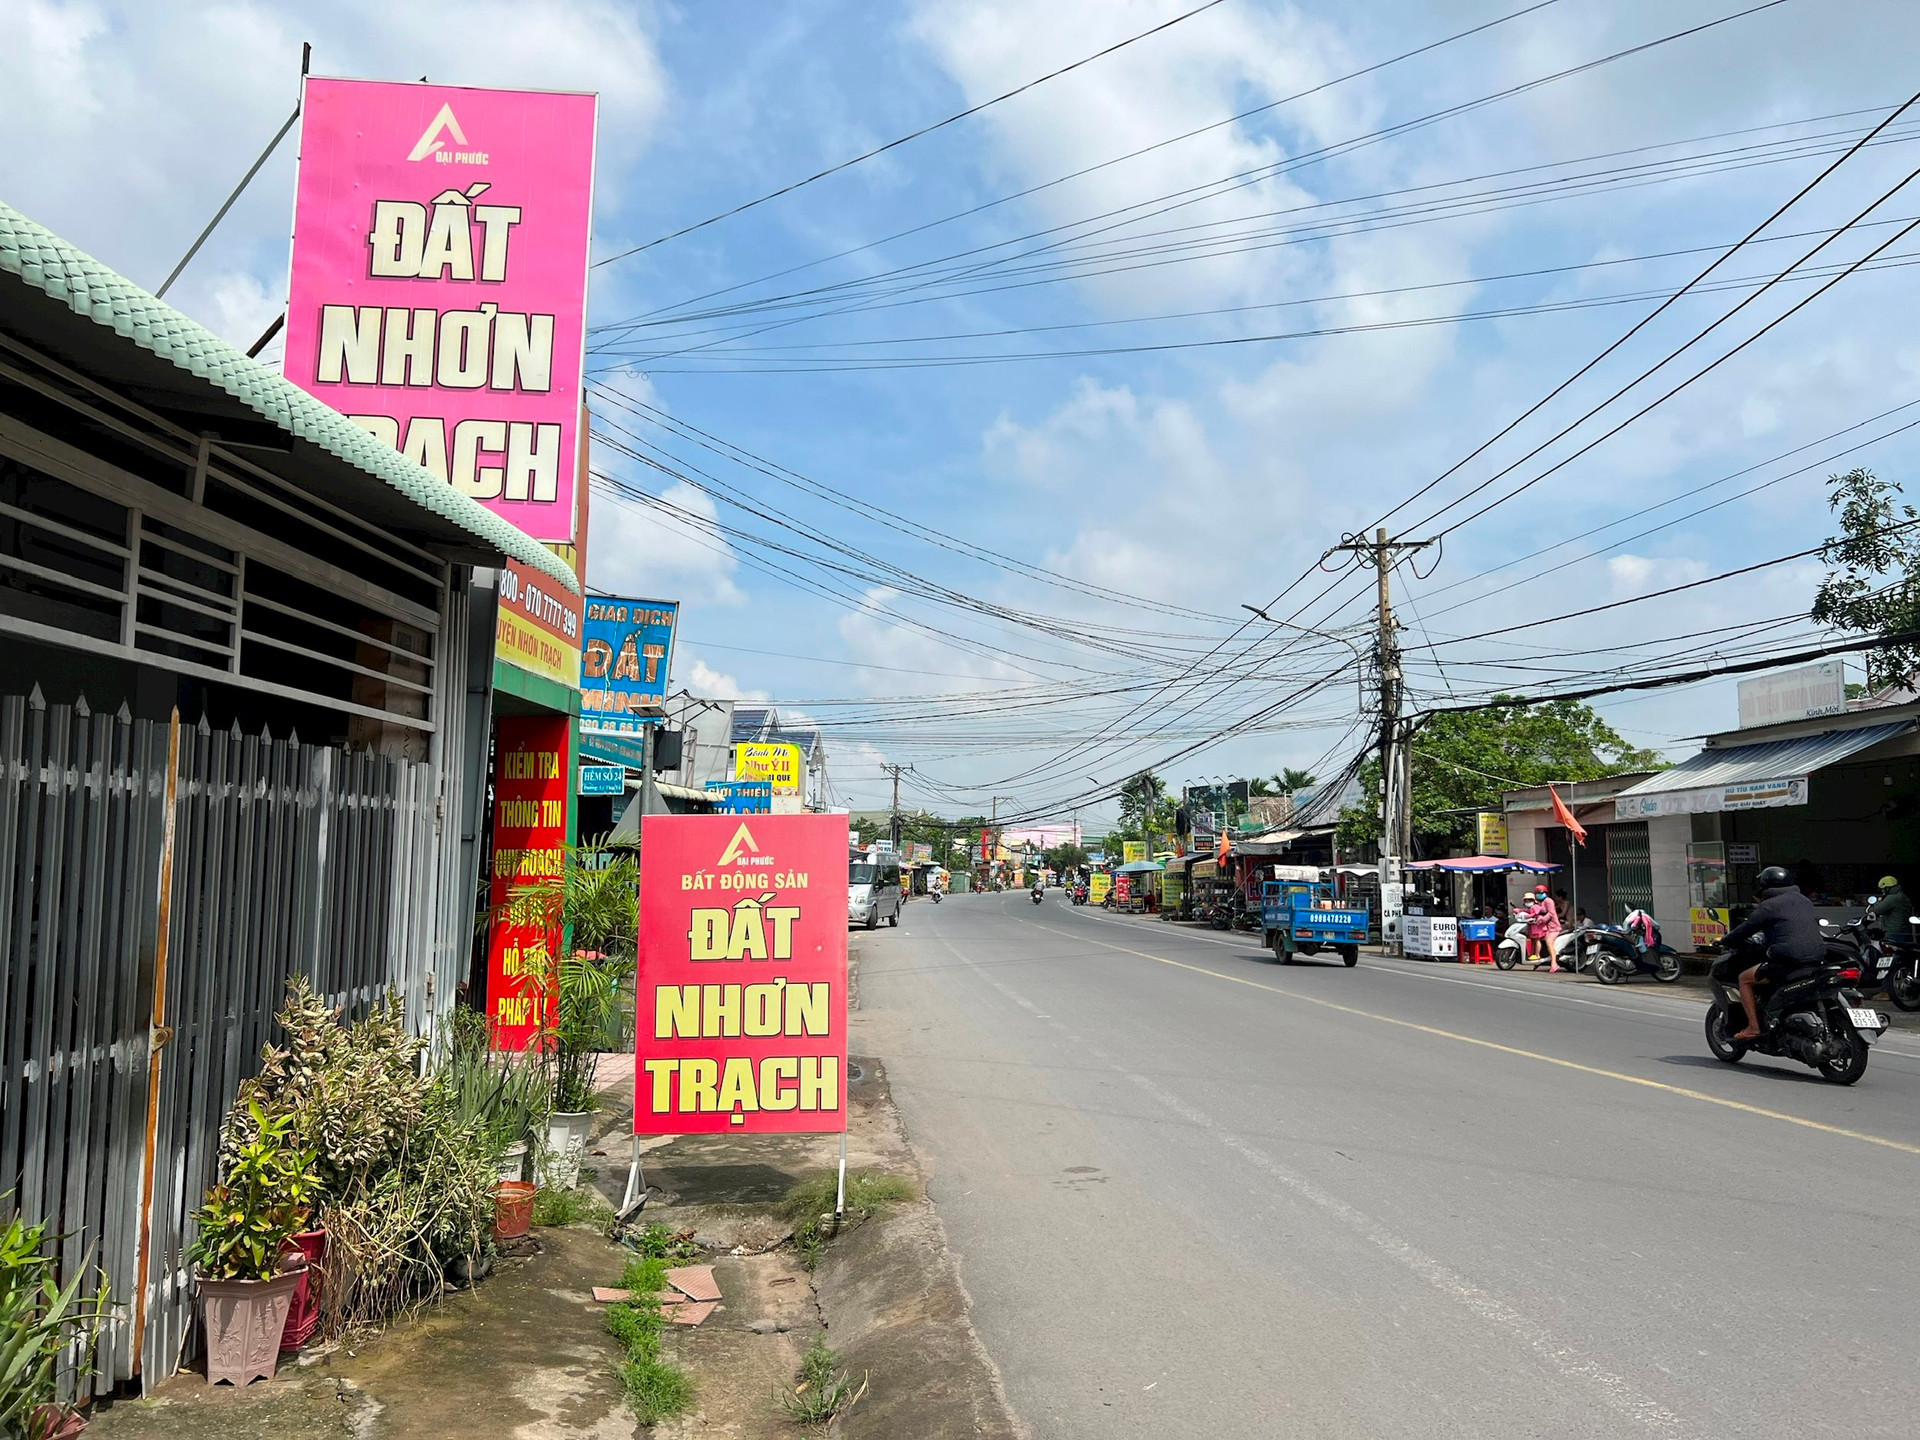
{"points": [[1748, 777], [1482, 865], [1138, 867]]}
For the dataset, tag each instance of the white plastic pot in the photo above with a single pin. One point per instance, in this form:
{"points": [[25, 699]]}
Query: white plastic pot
{"points": [[513, 1164], [566, 1147]]}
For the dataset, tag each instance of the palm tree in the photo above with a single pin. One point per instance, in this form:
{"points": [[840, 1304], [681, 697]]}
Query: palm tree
{"points": [[1290, 780]]}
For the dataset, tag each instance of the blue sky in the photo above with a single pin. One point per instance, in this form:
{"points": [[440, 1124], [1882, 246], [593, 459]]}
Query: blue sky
{"points": [[1157, 489]]}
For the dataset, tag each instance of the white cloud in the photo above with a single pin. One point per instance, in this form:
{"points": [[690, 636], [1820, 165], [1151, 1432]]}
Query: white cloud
{"points": [[1190, 76], [634, 549], [702, 679], [1637, 574], [129, 122]]}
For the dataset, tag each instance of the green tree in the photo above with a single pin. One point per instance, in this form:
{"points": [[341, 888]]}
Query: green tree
{"points": [[1872, 586], [1065, 857], [1145, 810], [1290, 780], [1462, 761]]}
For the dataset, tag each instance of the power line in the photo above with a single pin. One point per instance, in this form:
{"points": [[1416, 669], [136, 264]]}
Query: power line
{"points": [[1104, 164], [1247, 178], [1299, 232], [913, 135], [830, 365]]}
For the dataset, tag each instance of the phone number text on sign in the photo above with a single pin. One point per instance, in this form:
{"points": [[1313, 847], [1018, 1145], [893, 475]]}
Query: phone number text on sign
{"points": [[742, 981]]}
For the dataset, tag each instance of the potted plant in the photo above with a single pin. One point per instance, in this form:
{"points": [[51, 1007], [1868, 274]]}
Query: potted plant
{"points": [[40, 1321], [572, 1050], [595, 905], [241, 1254]]}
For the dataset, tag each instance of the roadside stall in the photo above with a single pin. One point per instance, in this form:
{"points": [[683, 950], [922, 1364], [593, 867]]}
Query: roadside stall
{"points": [[1135, 885], [1432, 931], [1176, 888]]}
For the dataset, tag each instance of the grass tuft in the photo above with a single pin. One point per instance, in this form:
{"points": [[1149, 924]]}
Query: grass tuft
{"points": [[656, 1390], [824, 1391], [810, 1206], [569, 1207], [656, 1387], [663, 1242]]}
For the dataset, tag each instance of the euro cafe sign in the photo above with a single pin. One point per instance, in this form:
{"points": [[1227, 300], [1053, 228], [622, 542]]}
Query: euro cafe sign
{"points": [[742, 1014]]}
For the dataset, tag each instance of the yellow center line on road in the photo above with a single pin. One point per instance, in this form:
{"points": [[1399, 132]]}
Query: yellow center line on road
{"points": [[1514, 1050]]}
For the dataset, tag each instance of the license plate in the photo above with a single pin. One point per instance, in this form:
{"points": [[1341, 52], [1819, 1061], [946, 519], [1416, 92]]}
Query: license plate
{"points": [[1867, 1019]]}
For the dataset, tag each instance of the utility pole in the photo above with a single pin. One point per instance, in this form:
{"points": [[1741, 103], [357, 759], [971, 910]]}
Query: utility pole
{"points": [[1383, 552], [893, 826]]}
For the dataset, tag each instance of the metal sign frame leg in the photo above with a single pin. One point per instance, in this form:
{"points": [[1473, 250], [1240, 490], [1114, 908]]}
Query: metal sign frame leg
{"points": [[636, 1183]]}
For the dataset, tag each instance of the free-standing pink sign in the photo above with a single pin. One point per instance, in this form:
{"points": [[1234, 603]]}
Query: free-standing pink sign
{"points": [[439, 286]]}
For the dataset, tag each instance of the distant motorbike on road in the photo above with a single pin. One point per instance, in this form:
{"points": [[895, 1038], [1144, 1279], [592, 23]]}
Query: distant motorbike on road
{"points": [[936, 896], [1038, 895], [1079, 894], [1816, 1017]]}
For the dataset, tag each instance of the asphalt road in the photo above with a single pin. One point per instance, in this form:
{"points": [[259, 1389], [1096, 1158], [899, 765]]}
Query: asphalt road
{"points": [[1197, 1193]]}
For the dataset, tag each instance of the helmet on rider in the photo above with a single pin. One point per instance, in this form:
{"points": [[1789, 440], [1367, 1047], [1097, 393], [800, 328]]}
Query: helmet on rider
{"points": [[1774, 877]]}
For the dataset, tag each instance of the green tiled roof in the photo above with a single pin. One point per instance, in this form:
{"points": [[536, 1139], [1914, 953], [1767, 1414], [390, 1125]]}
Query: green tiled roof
{"points": [[71, 276]]}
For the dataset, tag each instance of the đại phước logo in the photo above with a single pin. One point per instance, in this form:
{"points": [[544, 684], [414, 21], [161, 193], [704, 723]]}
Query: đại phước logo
{"points": [[431, 147]]}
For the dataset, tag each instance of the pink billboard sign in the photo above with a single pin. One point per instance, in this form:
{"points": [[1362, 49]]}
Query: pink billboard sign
{"points": [[439, 284]]}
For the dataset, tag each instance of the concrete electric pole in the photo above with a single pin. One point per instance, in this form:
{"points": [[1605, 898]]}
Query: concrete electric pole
{"points": [[1396, 773], [893, 825]]}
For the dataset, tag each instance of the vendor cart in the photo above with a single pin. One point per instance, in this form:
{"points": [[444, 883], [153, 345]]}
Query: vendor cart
{"points": [[1299, 915]]}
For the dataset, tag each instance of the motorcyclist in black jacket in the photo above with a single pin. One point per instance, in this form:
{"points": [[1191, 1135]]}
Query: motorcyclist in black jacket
{"points": [[1786, 921]]}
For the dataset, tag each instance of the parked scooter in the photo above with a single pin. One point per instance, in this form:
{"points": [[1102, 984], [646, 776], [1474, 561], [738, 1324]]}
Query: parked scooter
{"points": [[1618, 956], [1572, 949]]}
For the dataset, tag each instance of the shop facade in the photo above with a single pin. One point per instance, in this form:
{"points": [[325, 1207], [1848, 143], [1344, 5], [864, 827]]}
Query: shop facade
{"points": [[1835, 799], [239, 657], [1636, 862]]}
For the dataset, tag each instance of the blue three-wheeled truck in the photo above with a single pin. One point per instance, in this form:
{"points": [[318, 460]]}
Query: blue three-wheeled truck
{"points": [[1300, 916]]}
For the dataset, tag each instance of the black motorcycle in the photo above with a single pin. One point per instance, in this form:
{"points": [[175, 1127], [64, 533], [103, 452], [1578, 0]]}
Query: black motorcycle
{"points": [[1902, 977], [1038, 895], [1816, 1017], [1615, 956]]}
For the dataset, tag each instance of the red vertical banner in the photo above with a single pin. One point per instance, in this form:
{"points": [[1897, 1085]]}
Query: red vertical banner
{"points": [[740, 1022], [531, 781]]}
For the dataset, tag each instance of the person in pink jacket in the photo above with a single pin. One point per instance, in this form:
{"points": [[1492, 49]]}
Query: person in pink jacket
{"points": [[1544, 926]]}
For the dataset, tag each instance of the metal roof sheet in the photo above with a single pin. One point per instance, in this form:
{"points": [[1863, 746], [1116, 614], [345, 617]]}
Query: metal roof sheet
{"points": [[1768, 760], [64, 273]]}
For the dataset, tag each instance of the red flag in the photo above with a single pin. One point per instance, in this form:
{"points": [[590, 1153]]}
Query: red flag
{"points": [[1226, 848], [1565, 817]]}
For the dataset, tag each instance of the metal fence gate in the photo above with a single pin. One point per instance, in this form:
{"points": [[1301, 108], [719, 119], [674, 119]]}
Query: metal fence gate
{"points": [[1629, 868], [202, 885], [82, 822]]}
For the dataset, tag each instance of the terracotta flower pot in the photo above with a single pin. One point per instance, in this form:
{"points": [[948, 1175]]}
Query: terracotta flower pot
{"points": [[57, 1422], [304, 1317], [245, 1320], [512, 1208]]}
